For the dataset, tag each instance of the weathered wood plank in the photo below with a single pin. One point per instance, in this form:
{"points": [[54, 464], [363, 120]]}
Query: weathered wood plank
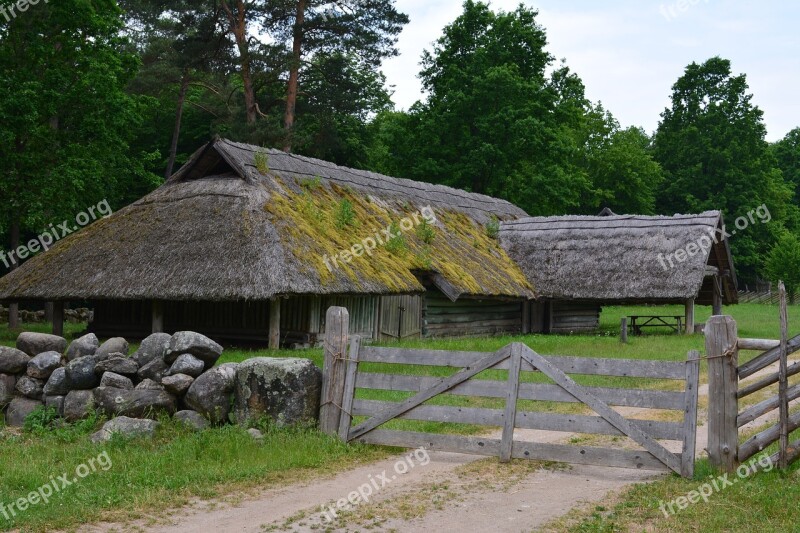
{"points": [[349, 389], [337, 325], [690, 414], [639, 460], [767, 358], [723, 408], [507, 440], [525, 419], [758, 345], [648, 399], [771, 379], [770, 404], [423, 396], [601, 408], [759, 442], [567, 364]]}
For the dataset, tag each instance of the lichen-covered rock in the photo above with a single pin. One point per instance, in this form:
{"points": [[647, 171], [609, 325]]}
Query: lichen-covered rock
{"points": [[35, 343], [127, 427], [118, 364], [30, 387], [195, 344], [111, 346], [211, 394], [256, 434], [41, 366], [13, 361], [192, 419], [177, 384], [287, 390], [80, 373], [55, 402], [57, 384], [134, 403], [154, 370], [153, 347], [117, 381], [8, 384], [187, 364], [86, 345], [149, 384], [19, 409], [78, 405]]}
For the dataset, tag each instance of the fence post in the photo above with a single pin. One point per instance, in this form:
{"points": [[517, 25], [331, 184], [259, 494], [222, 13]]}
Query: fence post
{"points": [[623, 330], [783, 383], [337, 326], [723, 382]]}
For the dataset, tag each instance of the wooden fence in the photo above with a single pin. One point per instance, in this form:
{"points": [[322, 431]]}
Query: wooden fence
{"points": [[522, 381], [730, 383]]}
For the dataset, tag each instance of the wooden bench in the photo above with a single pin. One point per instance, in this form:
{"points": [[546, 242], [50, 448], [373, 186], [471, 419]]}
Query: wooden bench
{"points": [[637, 322]]}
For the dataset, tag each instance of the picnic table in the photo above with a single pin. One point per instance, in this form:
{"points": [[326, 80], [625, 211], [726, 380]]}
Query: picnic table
{"points": [[637, 322]]}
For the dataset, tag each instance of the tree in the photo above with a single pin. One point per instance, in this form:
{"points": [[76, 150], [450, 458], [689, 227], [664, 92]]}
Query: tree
{"points": [[783, 263], [787, 154], [711, 145]]}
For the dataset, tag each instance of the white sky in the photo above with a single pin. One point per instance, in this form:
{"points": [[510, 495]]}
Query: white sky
{"points": [[629, 53]]}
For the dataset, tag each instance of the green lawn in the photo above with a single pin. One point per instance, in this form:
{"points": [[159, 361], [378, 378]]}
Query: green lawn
{"points": [[148, 477]]}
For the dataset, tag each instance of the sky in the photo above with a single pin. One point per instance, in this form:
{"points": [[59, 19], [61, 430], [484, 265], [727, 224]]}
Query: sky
{"points": [[629, 53]]}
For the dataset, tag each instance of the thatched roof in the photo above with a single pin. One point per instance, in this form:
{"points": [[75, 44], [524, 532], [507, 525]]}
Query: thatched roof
{"points": [[239, 222], [621, 259]]}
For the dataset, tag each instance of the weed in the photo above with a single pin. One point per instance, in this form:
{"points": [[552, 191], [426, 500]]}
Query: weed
{"points": [[426, 232], [493, 228], [345, 214], [261, 159], [396, 245]]}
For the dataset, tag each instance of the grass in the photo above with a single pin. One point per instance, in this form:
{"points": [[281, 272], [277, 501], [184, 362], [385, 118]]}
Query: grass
{"points": [[149, 477]]}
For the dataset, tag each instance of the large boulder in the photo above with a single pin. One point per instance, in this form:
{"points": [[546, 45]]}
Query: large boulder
{"points": [[41, 366], [78, 405], [57, 384], [177, 384], [153, 347], [195, 344], [149, 384], [30, 387], [80, 373], [211, 394], [191, 419], [7, 385], [86, 345], [134, 403], [19, 409], [117, 381], [187, 364], [286, 390], [118, 364], [127, 427], [154, 370], [35, 343], [116, 345], [13, 361], [55, 402]]}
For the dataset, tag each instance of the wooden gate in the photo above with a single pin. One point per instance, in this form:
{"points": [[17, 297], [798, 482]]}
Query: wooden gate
{"points": [[528, 377]]}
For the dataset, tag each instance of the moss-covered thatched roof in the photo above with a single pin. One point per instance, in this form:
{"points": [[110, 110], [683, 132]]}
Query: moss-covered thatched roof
{"points": [[622, 259], [239, 222]]}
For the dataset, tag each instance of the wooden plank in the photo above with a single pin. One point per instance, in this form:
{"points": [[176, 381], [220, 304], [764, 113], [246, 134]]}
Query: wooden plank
{"points": [[783, 382], [771, 379], [723, 407], [275, 324], [758, 345], [639, 460], [507, 440], [601, 408], [767, 358], [524, 419], [567, 364], [770, 404], [423, 396], [760, 442], [690, 414], [349, 389], [648, 399], [337, 325]]}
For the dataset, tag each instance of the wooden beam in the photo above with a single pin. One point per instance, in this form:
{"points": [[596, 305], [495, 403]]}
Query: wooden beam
{"points": [[717, 298], [13, 315], [58, 318], [690, 414], [723, 381], [337, 324], [48, 312], [689, 316], [157, 309], [275, 324], [515, 366], [349, 394], [758, 345]]}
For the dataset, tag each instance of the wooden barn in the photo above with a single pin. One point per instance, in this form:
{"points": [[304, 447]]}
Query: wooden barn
{"points": [[580, 263], [252, 245]]}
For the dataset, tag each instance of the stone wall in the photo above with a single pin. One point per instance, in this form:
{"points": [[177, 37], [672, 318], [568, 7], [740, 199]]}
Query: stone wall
{"points": [[174, 375], [74, 316]]}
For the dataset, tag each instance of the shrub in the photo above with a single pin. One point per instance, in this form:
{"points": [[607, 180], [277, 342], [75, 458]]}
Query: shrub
{"points": [[493, 228], [262, 162], [345, 214], [426, 232]]}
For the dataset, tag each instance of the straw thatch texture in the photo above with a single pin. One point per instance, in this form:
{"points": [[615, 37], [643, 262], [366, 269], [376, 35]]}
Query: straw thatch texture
{"points": [[618, 258], [221, 230]]}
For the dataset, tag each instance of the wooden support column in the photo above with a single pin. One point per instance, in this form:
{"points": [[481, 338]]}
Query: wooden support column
{"points": [[337, 327], [689, 316], [48, 312], [58, 318], [158, 317], [723, 382], [623, 330], [526, 317], [717, 301], [275, 324], [13, 315]]}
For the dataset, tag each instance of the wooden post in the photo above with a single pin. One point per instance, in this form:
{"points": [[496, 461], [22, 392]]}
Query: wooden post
{"points": [[526, 317], [48, 312], [723, 382], [349, 389], [512, 394], [623, 330], [275, 324], [783, 382], [158, 317], [690, 316], [337, 327], [58, 318], [717, 298], [13, 315], [690, 414]]}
